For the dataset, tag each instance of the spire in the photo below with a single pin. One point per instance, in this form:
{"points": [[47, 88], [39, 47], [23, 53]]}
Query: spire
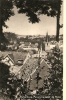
{"points": [[41, 47], [47, 33], [47, 37]]}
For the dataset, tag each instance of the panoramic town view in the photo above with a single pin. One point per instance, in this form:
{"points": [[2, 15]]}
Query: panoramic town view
{"points": [[31, 50]]}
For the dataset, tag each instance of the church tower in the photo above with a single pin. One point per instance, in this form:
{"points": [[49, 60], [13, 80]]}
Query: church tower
{"points": [[47, 43], [41, 48]]}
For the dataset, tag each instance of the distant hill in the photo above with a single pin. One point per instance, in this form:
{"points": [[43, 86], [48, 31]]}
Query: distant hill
{"points": [[11, 37]]}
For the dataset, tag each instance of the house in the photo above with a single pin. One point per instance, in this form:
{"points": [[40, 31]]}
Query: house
{"points": [[28, 68], [27, 44], [52, 46], [14, 58], [36, 44], [8, 59], [42, 54], [29, 71], [13, 47], [21, 46], [61, 48]]}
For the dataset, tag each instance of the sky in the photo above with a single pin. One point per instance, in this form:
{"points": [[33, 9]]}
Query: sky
{"points": [[19, 24]]}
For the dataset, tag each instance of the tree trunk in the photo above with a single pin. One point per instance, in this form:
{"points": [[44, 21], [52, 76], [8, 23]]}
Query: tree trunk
{"points": [[58, 22], [0, 24], [0, 19], [58, 28]]}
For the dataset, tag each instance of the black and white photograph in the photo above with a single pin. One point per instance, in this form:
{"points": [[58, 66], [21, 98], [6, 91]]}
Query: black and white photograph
{"points": [[31, 49]]}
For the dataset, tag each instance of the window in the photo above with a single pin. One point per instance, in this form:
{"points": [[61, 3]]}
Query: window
{"points": [[20, 62]]}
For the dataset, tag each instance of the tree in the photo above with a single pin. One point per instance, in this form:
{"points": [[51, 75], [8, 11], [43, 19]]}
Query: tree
{"points": [[11, 37], [56, 8], [5, 12], [34, 8], [15, 87], [55, 79], [37, 79], [4, 75]]}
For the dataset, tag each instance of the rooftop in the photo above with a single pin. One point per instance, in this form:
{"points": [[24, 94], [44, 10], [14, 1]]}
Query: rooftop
{"points": [[15, 56]]}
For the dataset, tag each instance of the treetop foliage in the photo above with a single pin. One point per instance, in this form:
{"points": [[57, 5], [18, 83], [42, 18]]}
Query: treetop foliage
{"points": [[34, 8], [6, 11], [4, 74], [56, 73]]}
